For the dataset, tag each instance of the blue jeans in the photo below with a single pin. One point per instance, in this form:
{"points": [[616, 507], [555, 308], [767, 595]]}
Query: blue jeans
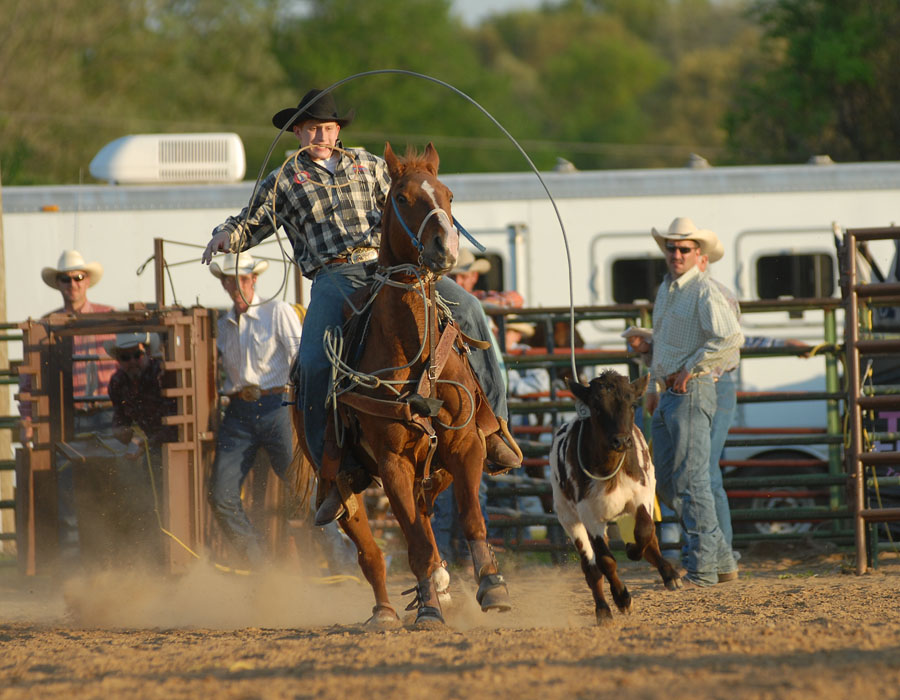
{"points": [[97, 423], [450, 539], [726, 405], [681, 430], [247, 426], [327, 295]]}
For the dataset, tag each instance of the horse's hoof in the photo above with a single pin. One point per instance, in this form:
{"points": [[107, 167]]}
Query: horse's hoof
{"points": [[383, 617], [604, 617], [674, 584], [429, 618], [493, 594]]}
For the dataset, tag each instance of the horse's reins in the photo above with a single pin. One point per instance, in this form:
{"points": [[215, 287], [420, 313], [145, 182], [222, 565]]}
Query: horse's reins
{"points": [[581, 462]]}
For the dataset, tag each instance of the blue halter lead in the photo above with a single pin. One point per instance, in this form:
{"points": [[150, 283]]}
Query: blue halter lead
{"points": [[415, 238]]}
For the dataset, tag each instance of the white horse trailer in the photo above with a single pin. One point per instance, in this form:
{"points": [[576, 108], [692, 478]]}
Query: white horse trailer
{"points": [[775, 222]]}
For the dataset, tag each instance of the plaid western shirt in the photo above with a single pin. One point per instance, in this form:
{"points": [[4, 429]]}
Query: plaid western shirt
{"points": [[325, 215], [694, 327], [92, 367]]}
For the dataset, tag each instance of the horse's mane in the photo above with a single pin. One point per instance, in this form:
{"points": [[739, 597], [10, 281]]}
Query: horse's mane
{"points": [[413, 160]]}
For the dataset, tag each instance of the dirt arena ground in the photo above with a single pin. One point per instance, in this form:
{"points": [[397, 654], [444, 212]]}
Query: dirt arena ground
{"points": [[796, 625]]}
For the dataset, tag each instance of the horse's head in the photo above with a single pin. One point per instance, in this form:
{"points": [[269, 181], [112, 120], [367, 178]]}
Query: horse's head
{"points": [[611, 399], [417, 226]]}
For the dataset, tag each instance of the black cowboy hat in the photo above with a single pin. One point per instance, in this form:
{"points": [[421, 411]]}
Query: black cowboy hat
{"points": [[324, 109]]}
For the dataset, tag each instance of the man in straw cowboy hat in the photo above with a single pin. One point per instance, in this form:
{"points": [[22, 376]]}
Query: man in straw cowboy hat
{"points": [[72, 277], [258, 344], [329, 200], [91, 372], [696, 337]]}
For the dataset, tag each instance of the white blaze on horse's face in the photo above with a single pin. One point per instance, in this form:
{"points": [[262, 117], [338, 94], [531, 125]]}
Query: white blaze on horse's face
{"points": [[441, 249]]}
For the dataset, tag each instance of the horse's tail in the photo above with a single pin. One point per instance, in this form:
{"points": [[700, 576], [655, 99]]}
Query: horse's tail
{"points": [[300, 477]]}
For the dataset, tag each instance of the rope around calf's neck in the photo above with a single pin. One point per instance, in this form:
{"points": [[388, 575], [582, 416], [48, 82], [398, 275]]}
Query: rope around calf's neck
{"points": [[581, 462]]}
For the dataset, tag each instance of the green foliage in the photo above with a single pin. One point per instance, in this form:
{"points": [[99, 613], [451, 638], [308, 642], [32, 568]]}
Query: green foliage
{"points": [[601, 83], [826, 84]]}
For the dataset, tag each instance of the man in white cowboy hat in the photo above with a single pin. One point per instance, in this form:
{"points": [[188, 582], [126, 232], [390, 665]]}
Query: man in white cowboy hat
{"points": [[91, 372], [696, 337], [257, 341], [72, 277], [339, 235]]}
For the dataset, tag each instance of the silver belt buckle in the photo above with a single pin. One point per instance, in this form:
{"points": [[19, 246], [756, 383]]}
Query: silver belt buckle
{"points": [[251, 393], [359, 255]]}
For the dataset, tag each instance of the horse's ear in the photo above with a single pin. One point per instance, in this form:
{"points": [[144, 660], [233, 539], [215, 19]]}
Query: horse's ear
{"points": [[392, 161], [432, 158]]}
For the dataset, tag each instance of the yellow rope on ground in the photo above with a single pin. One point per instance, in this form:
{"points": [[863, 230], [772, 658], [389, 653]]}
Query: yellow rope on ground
{"points": [[219, 567]]}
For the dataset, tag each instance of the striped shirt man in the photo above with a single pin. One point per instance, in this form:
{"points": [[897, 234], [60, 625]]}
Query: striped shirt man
{"points": [[694, 328], [323, 220], [259, 345]]}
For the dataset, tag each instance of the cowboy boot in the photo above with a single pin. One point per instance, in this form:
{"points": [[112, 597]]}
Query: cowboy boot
{"points": [[331, 508], [503, 453]]}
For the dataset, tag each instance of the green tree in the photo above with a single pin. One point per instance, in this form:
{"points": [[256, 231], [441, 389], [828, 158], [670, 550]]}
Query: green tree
{"points": [[825, 83], [336, 39]]}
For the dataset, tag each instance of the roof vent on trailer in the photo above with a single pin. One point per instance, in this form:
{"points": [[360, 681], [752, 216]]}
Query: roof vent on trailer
{"points": [[156, 158]]}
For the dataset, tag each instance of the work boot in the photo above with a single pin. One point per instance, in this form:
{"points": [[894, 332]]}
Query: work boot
{"points": [[503, 453], [331, 508]]}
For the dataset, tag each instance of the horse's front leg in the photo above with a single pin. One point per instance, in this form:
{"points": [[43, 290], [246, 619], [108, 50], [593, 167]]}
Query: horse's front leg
{"points": [[398, 481], [371, 561], [492, 591]]}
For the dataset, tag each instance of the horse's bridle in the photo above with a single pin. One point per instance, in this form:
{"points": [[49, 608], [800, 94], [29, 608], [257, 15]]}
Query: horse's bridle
{"points": [[445, 219]]}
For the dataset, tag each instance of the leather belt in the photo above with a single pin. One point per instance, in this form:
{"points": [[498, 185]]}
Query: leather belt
{"points": [[253, 393], [357, 255]]}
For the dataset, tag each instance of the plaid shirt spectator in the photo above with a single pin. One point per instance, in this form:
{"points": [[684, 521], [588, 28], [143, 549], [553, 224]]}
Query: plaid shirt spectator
{"points": [[322, 220], [90, 377]]}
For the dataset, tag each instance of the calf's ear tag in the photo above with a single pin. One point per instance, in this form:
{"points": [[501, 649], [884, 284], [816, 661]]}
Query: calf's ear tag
{"points": [[581, 409]]}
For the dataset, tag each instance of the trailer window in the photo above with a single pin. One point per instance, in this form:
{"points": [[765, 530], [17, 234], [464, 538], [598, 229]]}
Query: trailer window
{"points": [[798, 276], [636, 278], [492, 280]]}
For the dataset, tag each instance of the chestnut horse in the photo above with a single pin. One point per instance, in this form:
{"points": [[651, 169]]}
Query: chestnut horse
{"points": [[418, 423]]}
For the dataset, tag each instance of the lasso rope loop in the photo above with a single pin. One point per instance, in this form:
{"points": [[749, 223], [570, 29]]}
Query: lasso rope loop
{"points": [[581, 462], [395, 71], [345, 378]]}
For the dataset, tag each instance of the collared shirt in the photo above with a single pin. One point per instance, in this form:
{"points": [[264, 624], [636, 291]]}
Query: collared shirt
{"points": [[258, 346], [324, 214], [141, 402], [90, 377], [694, 327]]}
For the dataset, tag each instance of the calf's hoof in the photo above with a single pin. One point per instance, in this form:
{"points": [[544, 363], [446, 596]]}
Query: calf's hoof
{"points": [[493, 594]]}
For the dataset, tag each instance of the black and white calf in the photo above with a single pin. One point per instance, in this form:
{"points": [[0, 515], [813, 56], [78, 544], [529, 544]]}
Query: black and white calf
{"points": [[600, 470]]}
